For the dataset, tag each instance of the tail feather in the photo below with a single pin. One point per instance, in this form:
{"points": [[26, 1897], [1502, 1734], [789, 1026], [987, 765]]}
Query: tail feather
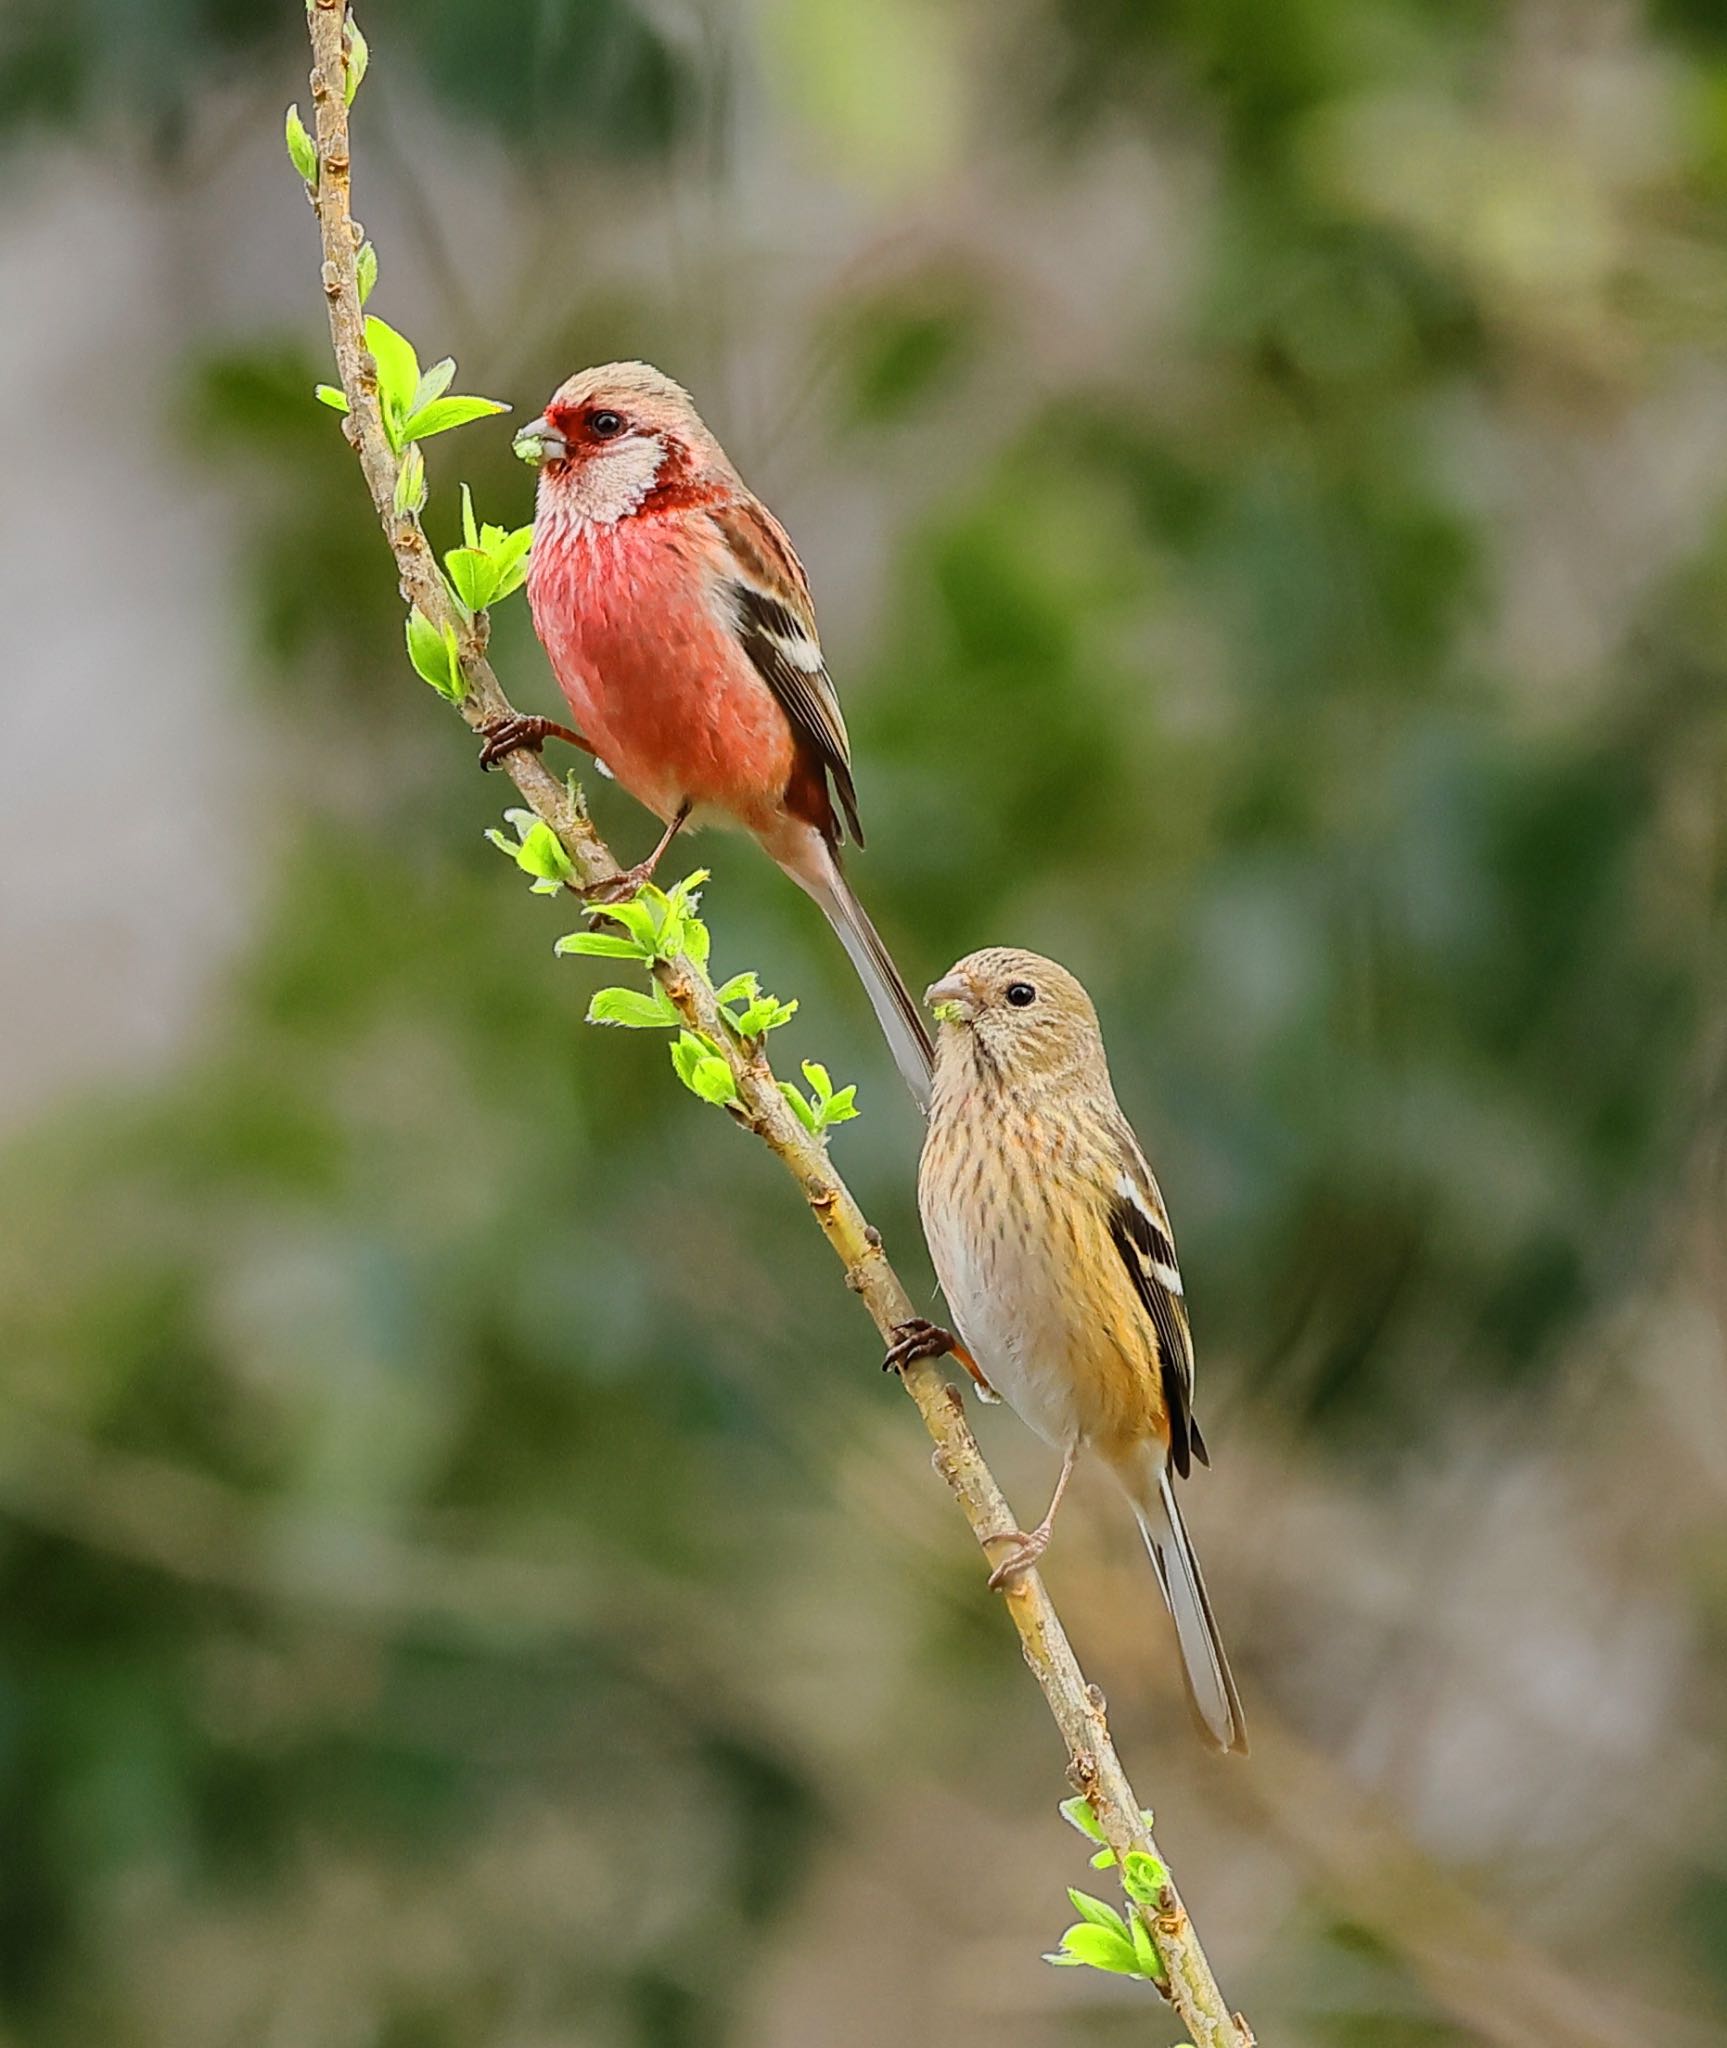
{"points": [[1210, 1684], [896, 1011]]}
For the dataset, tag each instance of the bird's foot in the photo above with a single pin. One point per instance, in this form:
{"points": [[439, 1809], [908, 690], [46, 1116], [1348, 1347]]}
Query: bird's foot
{"points": [[1032, 1545], [618, 888], [919, 1338], [508, 734], [923, 1339]]}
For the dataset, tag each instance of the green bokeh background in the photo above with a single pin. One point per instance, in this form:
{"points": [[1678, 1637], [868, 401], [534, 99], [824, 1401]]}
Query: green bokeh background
{"points": [[464, 1578]]}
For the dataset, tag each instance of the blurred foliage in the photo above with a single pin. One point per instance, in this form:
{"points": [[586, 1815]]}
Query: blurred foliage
{"points": [[409, 1524]]}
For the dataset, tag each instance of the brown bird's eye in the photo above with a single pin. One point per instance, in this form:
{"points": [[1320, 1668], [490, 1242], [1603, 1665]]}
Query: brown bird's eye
{"points": [[603, 425], [1021, 994]]}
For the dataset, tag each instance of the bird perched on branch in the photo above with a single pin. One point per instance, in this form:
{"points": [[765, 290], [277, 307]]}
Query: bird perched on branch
{"points": [[1054, 1250], [678, 621]]}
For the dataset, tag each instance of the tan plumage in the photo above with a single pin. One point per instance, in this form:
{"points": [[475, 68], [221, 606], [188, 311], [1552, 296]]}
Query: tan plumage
{"points": [[1054, 1250]]}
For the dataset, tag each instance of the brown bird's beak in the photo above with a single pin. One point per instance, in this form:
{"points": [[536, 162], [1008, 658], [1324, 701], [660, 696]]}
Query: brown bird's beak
{"points": [[951, 1000], [539, 441]]}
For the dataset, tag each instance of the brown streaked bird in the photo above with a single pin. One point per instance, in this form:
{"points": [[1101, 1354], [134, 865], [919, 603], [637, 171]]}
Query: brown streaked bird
{"points": [[1053, 1247], [679, 624]]}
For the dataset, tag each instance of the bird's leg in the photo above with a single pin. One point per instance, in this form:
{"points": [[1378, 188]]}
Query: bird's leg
{"points": [[922, 1339], [621, 887], [1033, 1543], [509, 731]]}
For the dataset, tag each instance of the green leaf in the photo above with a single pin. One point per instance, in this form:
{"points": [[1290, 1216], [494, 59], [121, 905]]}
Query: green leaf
{"points": [[302, 150], [433, 383], [688, 1051], [602, 945], [444, 413], [1143, 1877], [470, 537], [743, 987], [1145, 1951], [410, 496], [1098, 1949], [366, 270], [357, 55], [800, 1108], [631, 1009], [332, 396], [510, 560], [819, 1079], [473, 575], [1078, 1814], [435, 656], [765, 1014], [713, 1080], [637, 920], [540, 854], [1097, 1912], [1103, 1860], [840, 1108], [398, 375]]}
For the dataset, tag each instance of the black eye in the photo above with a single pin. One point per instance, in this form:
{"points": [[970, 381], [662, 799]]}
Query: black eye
{"points": [[1021, 994], [603, 425]]}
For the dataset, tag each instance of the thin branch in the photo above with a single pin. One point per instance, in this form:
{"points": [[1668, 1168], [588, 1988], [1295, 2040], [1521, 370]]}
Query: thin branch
{"points": [[1078, 1708]]}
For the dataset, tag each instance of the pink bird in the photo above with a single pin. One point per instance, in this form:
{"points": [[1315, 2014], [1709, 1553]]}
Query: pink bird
{"points": [[679, 625]]}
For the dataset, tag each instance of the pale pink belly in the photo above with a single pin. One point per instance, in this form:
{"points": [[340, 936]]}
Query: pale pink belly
{"points": [[654, 676]]}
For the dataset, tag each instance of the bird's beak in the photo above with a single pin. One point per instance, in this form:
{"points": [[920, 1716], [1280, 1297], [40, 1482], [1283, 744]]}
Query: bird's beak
{"points": [[539, 441], [951, 1000]]}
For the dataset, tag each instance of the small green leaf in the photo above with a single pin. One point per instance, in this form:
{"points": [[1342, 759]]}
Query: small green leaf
{"points": [[1078, 1814], [357, 56], [435, 656], [688, 1051], [602, 945], [1098, 1949], [743, 987], [510, 561], [366, 270], [819, 1079], [433, 383], [632, 1009], [1103, 1860], [410, 497], [637, 920], [765, 1014], [302, 150], [470, 535], [840, 1108], [713, 1080], [332, 396], [1099, 1914], [473, 575], [444, 413], [1143, 1877], [398, 375], [540, 854], [800, 1108], [1145, 1953]]}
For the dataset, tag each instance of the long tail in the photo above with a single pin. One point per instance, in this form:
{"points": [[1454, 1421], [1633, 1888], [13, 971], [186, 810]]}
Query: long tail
{"points": [[1210, 1685], [899, 1016]]}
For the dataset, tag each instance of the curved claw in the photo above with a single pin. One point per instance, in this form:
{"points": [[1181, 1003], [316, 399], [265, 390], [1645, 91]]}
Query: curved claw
{"points": [[507, 735], [620, 888], [1032, 1546], [916, 1339]]}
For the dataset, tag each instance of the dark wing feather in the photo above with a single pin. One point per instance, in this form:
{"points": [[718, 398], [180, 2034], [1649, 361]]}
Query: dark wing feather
{"points": [[1139, 1225], [776, 623]]}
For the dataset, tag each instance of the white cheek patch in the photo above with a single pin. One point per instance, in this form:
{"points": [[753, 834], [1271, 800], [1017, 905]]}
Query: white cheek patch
{"points": [[609, 485]]}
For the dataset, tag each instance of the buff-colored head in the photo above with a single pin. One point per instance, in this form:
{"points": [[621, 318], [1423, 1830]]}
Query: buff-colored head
{"points": [[611, 437], [1015, 1016]]}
